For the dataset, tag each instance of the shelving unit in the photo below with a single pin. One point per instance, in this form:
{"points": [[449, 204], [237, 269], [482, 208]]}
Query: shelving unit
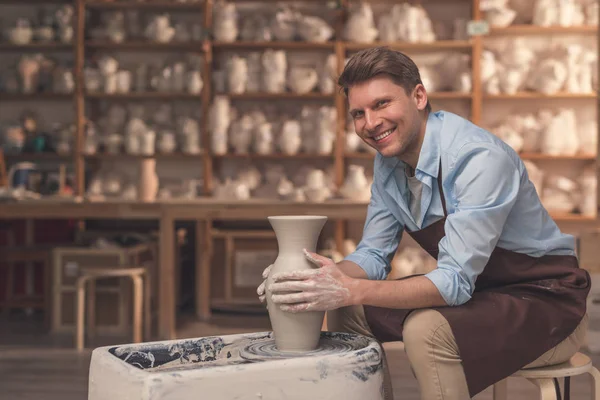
{"points": [[81, 48]]}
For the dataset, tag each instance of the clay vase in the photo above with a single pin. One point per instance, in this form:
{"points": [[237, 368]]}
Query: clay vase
{"points": [[295, 332], [148, 180]]}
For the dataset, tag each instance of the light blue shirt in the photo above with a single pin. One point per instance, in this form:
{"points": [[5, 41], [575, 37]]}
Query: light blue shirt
{"points": [[489, 199]]}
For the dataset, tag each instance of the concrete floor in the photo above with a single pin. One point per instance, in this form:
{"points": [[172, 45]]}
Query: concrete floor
{"points": [[38, 366]]}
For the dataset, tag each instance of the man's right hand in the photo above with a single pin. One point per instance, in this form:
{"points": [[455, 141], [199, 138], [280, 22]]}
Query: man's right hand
{"points": [[261, 291]]}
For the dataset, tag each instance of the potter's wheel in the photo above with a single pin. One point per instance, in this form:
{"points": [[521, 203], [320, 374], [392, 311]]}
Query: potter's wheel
{"points": [[266, 349]]}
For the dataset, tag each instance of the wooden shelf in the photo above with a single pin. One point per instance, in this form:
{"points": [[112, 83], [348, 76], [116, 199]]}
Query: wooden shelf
{"points": [[540, 156], [36, 46], [273, 45], [566, 217], [275, 156], [150, 4], [542, 30], [197, 46], [278, 96], [33, 2], [35, 96], [363, 155], [449, 95], [144, 96], [537, 95], [433, 46], [159, 156], [38, 156]]}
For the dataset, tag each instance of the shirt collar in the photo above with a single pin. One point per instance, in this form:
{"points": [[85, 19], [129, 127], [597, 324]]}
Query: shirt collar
{"points": [[429, 157]]}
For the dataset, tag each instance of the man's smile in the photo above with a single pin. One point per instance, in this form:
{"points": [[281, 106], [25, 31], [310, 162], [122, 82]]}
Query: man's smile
{"points": [[383, 135]]}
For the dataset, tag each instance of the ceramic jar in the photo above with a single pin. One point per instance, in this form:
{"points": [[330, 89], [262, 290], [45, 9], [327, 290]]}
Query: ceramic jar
{"points": [[302, 79], [148, 143], [167, 143], [225, 21], [290, 139], [29, 67], [21, 33], [237, 74], [148, 180]]}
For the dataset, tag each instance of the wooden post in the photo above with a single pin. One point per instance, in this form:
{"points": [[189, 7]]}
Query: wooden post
{"points": [[79, 49], [207, 100], [3, 175], [477, 98], [340, 102]]}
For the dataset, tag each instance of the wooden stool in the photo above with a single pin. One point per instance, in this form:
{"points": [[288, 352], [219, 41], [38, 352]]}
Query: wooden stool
{"points": [[141, 297], [546, 378], [12, 254]]}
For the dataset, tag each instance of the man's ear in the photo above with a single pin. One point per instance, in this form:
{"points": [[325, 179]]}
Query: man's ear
{"points": [[420, 97]]}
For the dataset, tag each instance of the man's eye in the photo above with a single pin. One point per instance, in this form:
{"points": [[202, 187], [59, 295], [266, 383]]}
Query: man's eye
{"points": [[381, 102]]}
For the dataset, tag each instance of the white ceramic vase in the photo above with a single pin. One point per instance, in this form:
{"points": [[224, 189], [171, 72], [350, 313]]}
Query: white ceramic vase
{"points": [[148, 180], [295, 332]]}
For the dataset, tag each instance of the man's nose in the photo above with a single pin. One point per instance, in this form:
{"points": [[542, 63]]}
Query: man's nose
{"points": [[372, 121]]}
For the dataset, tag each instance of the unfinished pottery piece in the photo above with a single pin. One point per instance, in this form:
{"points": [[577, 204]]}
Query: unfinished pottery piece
{"points": [[295, 332], [148, 180], [21, 33], [243, 366]]}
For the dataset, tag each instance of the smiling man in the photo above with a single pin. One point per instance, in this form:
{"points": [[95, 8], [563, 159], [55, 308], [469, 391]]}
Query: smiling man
{"points": [[507, 292]]}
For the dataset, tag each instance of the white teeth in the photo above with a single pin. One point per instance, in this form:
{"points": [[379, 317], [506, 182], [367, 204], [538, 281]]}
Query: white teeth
{"points": [[384, 134]]}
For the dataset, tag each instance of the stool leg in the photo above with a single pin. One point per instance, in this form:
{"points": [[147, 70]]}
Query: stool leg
{"points": [[91, 309], [147, 312], [10, 287], [80, 314], [10, 276], [501, 390], [138, 293], [595, 383], [48, 291], [547, 388]]}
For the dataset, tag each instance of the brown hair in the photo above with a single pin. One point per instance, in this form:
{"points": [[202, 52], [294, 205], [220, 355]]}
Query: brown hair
{"points": [[369, 63]]}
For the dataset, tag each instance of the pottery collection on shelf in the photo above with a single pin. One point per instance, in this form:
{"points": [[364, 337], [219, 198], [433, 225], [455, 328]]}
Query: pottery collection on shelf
{"points": [[35, 73], [182, 76], [132, 25], [52, 25], [310, 131], [507, 66], [569, 68]]}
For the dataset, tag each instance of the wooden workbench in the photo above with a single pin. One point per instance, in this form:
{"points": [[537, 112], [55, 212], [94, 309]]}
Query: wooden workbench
{"points": [[203, 211]]}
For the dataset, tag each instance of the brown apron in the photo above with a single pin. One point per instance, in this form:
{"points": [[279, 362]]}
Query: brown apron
{"points": [[522, 307]]}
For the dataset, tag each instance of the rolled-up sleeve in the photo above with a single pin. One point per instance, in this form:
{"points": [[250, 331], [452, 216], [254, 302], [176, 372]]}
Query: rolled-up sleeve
{"points": [[381, 234], [485, 183]]}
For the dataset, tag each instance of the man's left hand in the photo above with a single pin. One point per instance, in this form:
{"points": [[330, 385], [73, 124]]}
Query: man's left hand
{"points": [[322, 289]]}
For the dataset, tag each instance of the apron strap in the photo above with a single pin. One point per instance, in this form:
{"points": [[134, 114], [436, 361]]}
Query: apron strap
{"points": [[439, 180]]}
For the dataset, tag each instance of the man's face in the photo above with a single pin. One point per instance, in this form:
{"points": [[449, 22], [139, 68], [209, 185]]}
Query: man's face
{"points": [[385, 117]]}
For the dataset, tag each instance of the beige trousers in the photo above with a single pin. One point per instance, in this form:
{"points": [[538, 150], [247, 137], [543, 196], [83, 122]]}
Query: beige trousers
{"points": [[433, 353]]}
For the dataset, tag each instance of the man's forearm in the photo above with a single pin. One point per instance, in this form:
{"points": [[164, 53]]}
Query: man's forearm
{"points": [[416, 292]]}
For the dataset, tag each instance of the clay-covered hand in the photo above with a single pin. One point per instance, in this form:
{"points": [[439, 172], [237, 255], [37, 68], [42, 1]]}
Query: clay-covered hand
{"points": [[322, 289], [261, 288]]}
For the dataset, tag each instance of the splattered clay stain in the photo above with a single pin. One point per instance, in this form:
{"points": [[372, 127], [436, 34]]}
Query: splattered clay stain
{"points": [[214, 351]]}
